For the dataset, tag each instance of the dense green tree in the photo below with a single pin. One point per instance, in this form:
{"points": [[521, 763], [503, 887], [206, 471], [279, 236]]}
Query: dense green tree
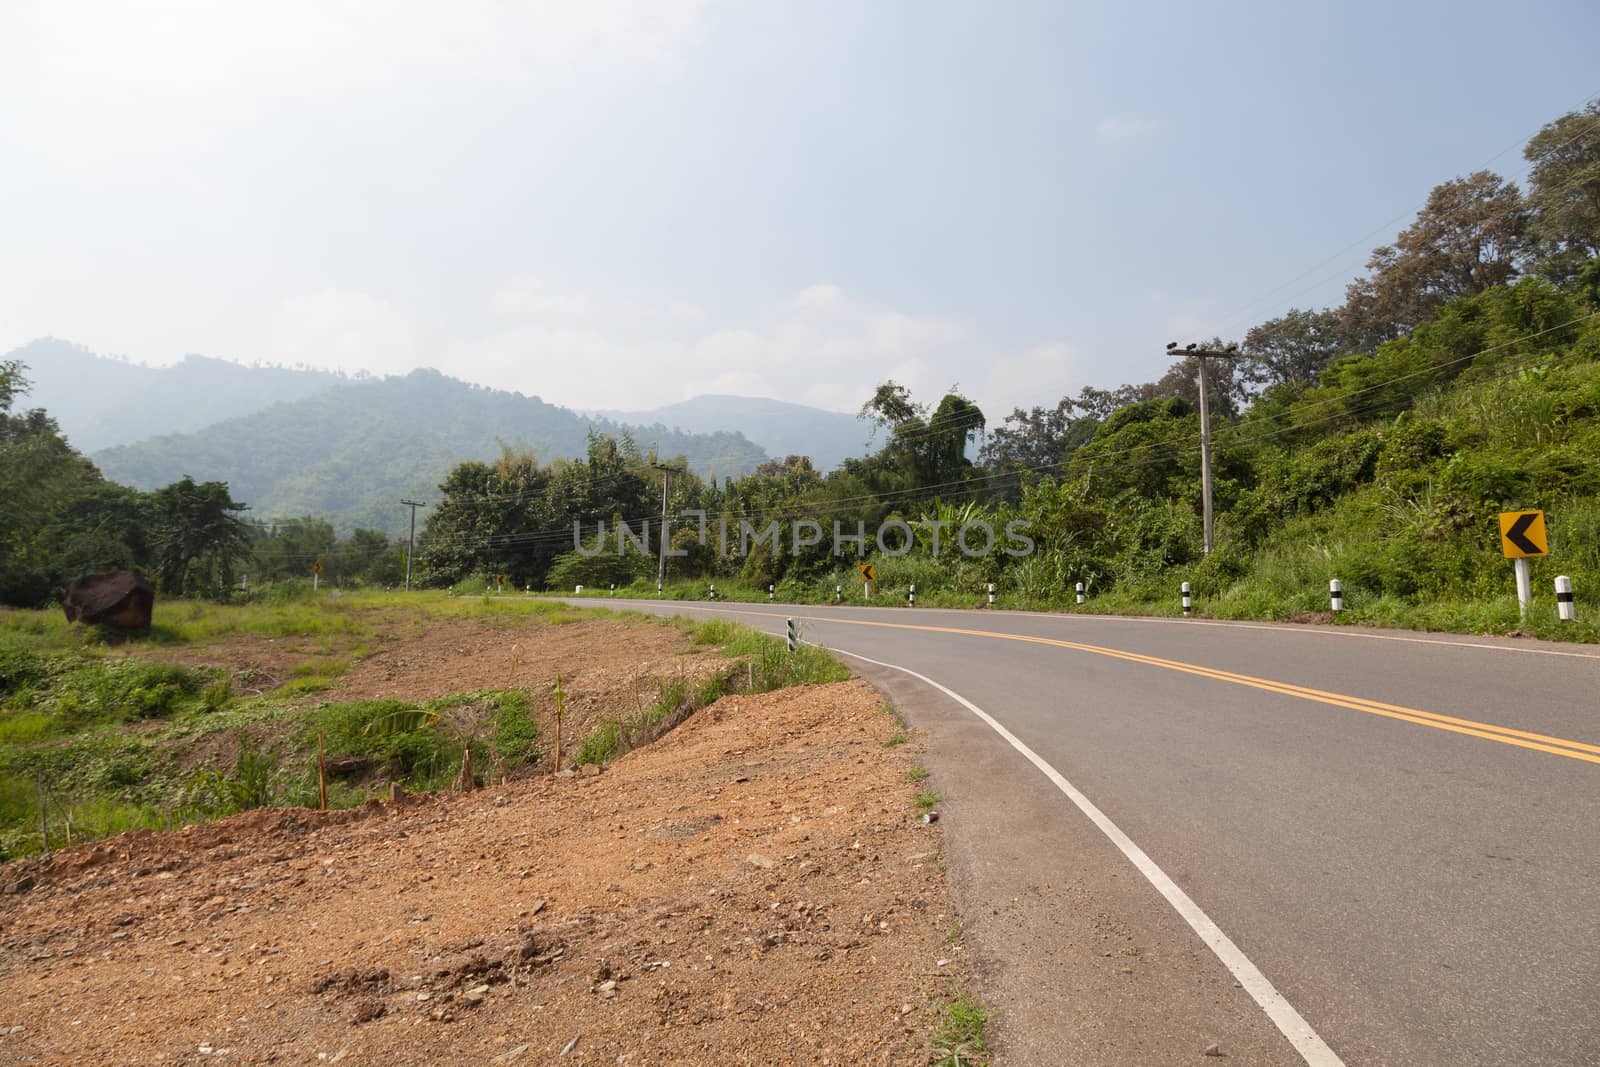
{"points": [[60, 518], [198, 523], [1293, 348], [1564, 190]]}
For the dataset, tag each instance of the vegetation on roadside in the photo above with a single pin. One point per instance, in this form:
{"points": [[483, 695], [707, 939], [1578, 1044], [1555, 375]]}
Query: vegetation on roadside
{"points": [[101, 733], [959, 1035]]}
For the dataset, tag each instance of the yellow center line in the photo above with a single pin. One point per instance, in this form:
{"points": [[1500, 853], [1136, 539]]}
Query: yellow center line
{"points": [[1556, 746]]}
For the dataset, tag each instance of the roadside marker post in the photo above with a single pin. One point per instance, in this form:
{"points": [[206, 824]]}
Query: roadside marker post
{"points": [[713, 591], [1564, 604], [1080, 592], [772, 593], [1336, 595], [792, 641], [613, 588], [991, 594], [838, 594], [911, 596], [1188, 601]]}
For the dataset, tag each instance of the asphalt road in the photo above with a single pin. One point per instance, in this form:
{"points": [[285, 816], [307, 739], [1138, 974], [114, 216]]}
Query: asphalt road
{"points": [[1400, 831]]}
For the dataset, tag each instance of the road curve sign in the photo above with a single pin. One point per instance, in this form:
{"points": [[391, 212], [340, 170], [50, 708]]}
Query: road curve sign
{"points": [[1522, 534], [869, 572]]}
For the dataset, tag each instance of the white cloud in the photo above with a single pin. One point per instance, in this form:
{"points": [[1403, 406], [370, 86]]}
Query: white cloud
{"points": [[820, 346], [344, 330]]}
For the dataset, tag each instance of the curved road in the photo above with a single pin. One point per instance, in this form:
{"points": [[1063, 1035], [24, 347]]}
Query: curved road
{"points": [[1400, 832]]}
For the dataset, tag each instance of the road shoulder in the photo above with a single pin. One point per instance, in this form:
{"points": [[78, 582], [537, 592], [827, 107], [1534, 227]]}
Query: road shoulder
{"points": [[1081, 958]]}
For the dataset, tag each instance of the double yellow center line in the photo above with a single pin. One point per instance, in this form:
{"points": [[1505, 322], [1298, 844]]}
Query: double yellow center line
{"points": [[1556, 746]]}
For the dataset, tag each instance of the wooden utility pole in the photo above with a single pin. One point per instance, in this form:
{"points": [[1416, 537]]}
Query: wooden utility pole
{"points": [[411, 541], [1203, 354]]}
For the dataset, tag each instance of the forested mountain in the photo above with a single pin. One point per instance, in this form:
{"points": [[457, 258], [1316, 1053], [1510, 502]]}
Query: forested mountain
{"points": [[350, 454], [100, 402], [783, 429]]}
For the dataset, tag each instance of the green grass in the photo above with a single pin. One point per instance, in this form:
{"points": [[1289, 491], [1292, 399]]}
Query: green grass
{"points": [[775, 667], [926, 801], [110, 731], [895, 739], [917, 774], [959, 1036]]}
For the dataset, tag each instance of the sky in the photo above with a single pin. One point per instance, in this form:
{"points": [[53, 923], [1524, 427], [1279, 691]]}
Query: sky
{"points": [[618, 205]]}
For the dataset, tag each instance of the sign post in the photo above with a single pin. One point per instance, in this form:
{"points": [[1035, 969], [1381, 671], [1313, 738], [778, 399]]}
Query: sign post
{"points": [[1523, 536], [316, 575]]}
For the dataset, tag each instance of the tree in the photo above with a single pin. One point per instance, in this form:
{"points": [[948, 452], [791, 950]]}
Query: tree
{"points": [[197, 522], [1470, 236], [890, 406], [1293, 348], [1564, 190], [1037, 438]]}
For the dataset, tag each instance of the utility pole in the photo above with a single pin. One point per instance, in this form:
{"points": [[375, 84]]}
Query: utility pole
{"points": [[667, 471], [411, 542], [1203, 354]]}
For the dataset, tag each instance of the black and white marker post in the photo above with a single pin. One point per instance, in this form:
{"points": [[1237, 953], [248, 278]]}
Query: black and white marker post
{"points": [[991, 594], [713, 592], [772, 593], [792, 641], [911, 596], [1564, 603], [1080, 592], [1188, 601], [1336, 595], [838, 594]]}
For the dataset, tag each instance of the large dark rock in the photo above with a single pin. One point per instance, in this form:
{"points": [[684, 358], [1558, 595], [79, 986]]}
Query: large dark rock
{"points": [[115, 598]]}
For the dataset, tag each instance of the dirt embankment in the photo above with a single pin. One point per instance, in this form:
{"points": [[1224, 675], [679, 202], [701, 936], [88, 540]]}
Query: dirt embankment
{"points": [[753, 888]]}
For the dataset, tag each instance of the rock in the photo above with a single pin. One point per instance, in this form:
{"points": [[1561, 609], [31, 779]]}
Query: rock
{"points": [[511, 1054], [366, 1011], [570, 1045], [608, 986], [591, 769], [423, 997], [22, 885], [756, 859], [1213, 1049], [112, 598], [476, 994]]}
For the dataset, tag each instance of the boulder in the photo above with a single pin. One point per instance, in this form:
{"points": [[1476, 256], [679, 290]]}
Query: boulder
{"points": [[116, 598]]}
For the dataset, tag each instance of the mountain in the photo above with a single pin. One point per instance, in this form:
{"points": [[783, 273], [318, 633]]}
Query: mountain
{"points": [[100, 402], [350, 454], [783, 429]]}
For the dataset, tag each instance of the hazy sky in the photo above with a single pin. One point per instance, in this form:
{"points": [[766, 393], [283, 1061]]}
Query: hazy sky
{"points": [[619, 205]]}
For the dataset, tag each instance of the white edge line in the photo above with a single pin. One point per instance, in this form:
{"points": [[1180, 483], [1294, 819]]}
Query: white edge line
{"points": [[1289, 1022]]}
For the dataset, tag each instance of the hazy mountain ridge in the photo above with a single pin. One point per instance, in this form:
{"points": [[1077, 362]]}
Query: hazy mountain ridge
{"points": [[351, 453], [100, 402], [780, 427]]}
